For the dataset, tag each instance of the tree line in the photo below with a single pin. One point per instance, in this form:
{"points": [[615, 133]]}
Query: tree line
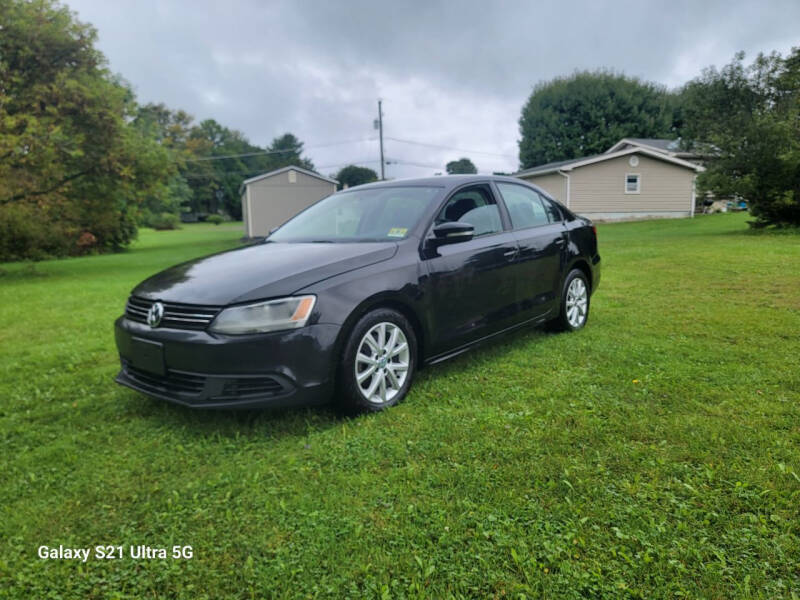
{"points": [[744, 118], [83, 164]]}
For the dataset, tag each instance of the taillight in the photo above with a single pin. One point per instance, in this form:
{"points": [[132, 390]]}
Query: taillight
{"points": [[594, 228]]}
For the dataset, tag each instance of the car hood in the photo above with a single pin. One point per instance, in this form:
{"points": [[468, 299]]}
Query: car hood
{"points": [[267, 270]]}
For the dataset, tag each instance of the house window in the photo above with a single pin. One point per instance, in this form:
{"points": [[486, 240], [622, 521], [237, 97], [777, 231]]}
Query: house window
{"points": [[292, 176], [632, 183]]}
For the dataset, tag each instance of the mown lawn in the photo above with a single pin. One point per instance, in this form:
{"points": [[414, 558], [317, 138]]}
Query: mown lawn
{"points": [[656, 453]]}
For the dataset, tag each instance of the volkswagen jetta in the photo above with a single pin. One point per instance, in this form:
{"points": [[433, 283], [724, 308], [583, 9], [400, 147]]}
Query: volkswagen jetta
{"points": [[352, 296]]}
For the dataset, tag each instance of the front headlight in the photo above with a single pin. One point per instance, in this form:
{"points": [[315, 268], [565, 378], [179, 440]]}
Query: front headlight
{"points": [[273, 315]]}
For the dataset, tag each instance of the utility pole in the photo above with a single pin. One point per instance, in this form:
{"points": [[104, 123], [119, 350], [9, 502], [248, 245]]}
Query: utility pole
{"points": [[380, 133]]}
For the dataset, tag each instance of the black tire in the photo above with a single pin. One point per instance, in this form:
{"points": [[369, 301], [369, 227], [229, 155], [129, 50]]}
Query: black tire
{"points": [[564, 322], [351, 394]]}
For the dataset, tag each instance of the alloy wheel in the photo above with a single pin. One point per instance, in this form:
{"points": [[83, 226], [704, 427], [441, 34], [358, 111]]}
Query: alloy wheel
{"points": [[577, 302], [381, 365]]}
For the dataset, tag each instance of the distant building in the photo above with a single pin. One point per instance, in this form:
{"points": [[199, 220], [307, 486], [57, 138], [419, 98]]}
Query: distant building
{"points": [[271, 199], [635, 178]]}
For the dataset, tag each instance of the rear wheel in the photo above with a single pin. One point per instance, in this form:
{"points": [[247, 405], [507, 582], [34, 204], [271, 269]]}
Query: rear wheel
{"points": [[378, 364], [575, 302]]}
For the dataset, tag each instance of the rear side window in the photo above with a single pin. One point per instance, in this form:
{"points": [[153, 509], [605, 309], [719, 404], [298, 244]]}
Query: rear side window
{"points": [[552, 210], [525, 207]]}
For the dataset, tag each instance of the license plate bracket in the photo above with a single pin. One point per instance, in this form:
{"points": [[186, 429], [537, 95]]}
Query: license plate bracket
{"points": [[147, 355]]}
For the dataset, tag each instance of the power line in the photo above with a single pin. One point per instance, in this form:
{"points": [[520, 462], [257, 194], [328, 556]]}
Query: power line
{"points": [[396, 161], [266, 152], [394, 139], [239, 155], [388, 161], [339, 143], [244, 173], [347, 164]]}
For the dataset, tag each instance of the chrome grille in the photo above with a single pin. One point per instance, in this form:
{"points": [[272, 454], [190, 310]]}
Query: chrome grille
{"points": [[176, 316], [171, 381]]}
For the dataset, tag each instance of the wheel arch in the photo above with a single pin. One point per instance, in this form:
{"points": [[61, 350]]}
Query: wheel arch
{"points": [[582, 265], [384, 300]]}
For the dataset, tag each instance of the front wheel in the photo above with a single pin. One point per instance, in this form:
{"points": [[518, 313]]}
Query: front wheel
{"points": [[378, 364], [575, 302]]}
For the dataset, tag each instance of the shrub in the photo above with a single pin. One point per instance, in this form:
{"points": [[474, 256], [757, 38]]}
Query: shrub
{"points": [[215, 219], [37, 231], [165, 221], [27, 233]]}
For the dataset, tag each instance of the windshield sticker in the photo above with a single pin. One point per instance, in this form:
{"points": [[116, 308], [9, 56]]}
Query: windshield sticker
{"points": [[397, 231]]}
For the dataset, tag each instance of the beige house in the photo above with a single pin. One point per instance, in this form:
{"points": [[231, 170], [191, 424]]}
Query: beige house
{"points": [[631, 180], [271, 199]]}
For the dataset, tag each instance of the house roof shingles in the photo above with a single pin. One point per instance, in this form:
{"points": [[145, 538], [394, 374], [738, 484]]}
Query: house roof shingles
{"points": [[553, 166], [568, 165], [661, 144]]}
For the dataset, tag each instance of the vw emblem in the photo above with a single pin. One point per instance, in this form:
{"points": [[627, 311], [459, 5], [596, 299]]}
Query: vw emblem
{"points": [[155, 314]]}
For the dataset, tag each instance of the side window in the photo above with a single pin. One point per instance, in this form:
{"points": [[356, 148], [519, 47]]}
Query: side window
{"points": [[474, 206], [525, 207], [552, 210]]}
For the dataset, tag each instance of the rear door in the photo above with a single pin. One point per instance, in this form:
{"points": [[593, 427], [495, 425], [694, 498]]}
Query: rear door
{"points": [[471, 288], [538, 227]]}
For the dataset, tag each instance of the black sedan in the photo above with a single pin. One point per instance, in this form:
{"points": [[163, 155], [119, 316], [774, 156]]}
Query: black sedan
{"points": [[353, 295]]}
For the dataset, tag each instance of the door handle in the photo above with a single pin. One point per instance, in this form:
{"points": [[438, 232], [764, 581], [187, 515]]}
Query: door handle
{"points": [[560, 241], [510, 254]]}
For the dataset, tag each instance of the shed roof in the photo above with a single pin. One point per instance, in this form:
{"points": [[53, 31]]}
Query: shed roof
{"points": [[292, 168]]}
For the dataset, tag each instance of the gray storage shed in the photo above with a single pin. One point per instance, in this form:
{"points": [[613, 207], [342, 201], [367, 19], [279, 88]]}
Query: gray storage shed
{"points": [[271, 199]]}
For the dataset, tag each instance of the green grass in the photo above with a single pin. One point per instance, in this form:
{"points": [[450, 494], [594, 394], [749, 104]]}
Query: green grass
{"points": [[655, 453]]}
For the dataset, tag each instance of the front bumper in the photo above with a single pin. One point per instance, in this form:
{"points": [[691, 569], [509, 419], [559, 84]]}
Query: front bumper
{"points": [[202, 370]]}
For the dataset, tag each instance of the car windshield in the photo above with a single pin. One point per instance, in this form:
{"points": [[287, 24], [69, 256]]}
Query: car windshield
{"points": [[377, 214]]}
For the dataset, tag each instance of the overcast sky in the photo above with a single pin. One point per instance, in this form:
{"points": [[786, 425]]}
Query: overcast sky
{"points": [[452, 73]]}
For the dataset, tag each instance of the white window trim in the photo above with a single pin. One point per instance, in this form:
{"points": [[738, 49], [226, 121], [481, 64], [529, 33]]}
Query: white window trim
{"points": [[638, 183]]}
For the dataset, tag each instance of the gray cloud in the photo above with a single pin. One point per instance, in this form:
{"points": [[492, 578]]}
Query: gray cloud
{"points": [[450, 73]]}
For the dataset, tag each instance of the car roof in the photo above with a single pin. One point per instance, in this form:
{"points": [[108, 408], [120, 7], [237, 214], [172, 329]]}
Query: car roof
{"points": [[444, 181]]}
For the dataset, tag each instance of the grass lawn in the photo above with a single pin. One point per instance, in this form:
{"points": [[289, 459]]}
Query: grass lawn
{"points": [[656, 453]]}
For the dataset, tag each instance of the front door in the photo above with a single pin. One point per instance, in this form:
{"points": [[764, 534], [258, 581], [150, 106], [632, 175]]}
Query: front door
{"points": [[471, 288]]}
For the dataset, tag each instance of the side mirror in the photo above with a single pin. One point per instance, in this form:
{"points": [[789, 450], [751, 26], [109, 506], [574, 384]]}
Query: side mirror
{"points": [[452, 233]]}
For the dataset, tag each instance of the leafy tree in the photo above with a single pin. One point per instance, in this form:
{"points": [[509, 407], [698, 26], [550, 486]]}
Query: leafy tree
{"points": [[215, 164], [210, 140], [81, 161], [588, 112], [286, 151], [750, 115], [353, 175], [168, 127], [460, 166], [67, 154]]}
